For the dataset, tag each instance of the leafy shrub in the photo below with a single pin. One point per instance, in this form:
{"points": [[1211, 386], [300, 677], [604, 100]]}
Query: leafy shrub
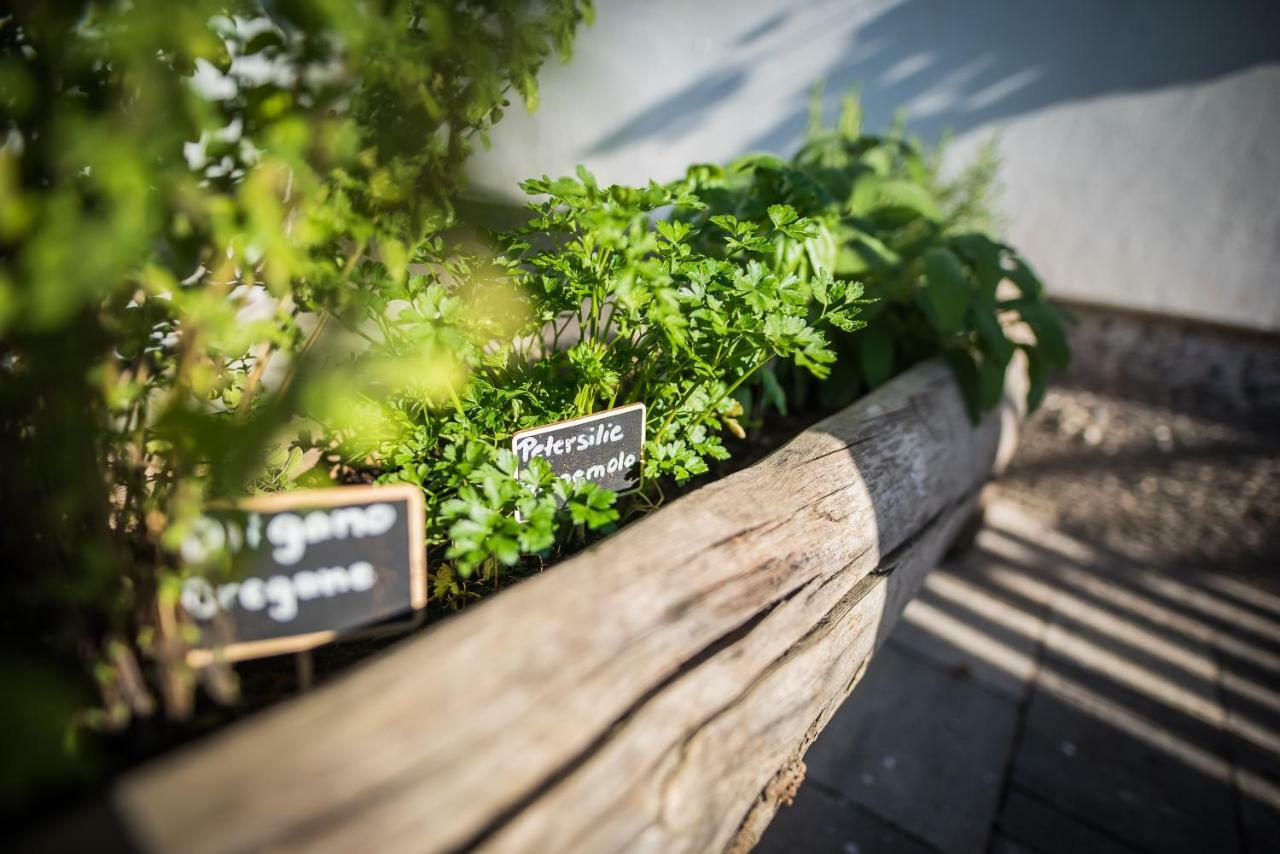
{"points": [[884, 217], [592, 303]]}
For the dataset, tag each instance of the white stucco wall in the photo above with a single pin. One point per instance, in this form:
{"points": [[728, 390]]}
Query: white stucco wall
{"points": [[1141, 138]]}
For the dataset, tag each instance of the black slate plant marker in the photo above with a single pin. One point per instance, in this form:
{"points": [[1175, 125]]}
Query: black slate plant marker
{"points": [[306, 566], [604, 448]]}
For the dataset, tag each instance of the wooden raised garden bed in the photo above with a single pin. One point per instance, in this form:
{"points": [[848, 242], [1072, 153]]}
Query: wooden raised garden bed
{"points": [[655, 693]]}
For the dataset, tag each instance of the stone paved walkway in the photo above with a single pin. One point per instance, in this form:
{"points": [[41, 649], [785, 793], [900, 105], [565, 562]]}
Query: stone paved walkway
{"points": [[1041, 695]]}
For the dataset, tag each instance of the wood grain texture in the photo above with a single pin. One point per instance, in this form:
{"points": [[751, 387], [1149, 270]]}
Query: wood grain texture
{"points": [[655, 693]]}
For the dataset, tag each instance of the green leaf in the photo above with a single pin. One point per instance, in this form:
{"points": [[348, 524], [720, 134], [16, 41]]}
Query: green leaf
{"points": [[1025, 278], [528, 88], [995, 345], [820, 286], [947, 290], [983, 255], [1051, 336], [990, 383], [726, 221], [268, 38], [842, 320], [863, 192], [801, 229], [863, 253], [849, 125], [780, 215], [907, 198], [584, 175], [674, 231], [981, 383], [879, 159], [1038, 378]]}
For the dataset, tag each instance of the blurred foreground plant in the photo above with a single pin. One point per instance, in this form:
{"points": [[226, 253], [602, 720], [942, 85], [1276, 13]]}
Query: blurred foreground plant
{"points": [[189, 193]]}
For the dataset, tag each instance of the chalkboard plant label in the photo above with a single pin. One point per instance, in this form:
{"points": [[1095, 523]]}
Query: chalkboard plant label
{"points": [[603, 448], [306, 566]]}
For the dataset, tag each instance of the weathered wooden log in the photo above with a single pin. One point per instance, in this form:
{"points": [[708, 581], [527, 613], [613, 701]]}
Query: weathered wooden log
{"points": [[655, 693]]}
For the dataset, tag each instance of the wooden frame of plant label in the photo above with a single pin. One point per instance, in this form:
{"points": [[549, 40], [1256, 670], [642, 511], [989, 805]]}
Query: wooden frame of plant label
{"points": [[581, 455], [322, 549]]}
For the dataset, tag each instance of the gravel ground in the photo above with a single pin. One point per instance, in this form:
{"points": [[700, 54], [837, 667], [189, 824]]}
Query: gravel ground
{"points": [[1173, 488]]}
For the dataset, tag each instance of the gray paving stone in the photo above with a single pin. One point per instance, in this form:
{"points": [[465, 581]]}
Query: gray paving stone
{"points": [[1254, 728], [1137, 769], [1260, 818], [1187, 704], [1251, 694], [1001, 844], [1144, 718], [1126, 726], [1246, 688], [1026, 823], [1253, 723], [923, 748], [963, 591], [822, 823]]}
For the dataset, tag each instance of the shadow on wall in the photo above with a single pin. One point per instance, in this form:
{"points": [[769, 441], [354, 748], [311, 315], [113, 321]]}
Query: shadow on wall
{"points": [[676, 115], [956, 66]]}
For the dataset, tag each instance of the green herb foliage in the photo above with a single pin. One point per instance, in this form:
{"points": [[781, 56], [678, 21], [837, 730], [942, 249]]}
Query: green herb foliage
{"points": [[941, 284], [592, 303]]}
